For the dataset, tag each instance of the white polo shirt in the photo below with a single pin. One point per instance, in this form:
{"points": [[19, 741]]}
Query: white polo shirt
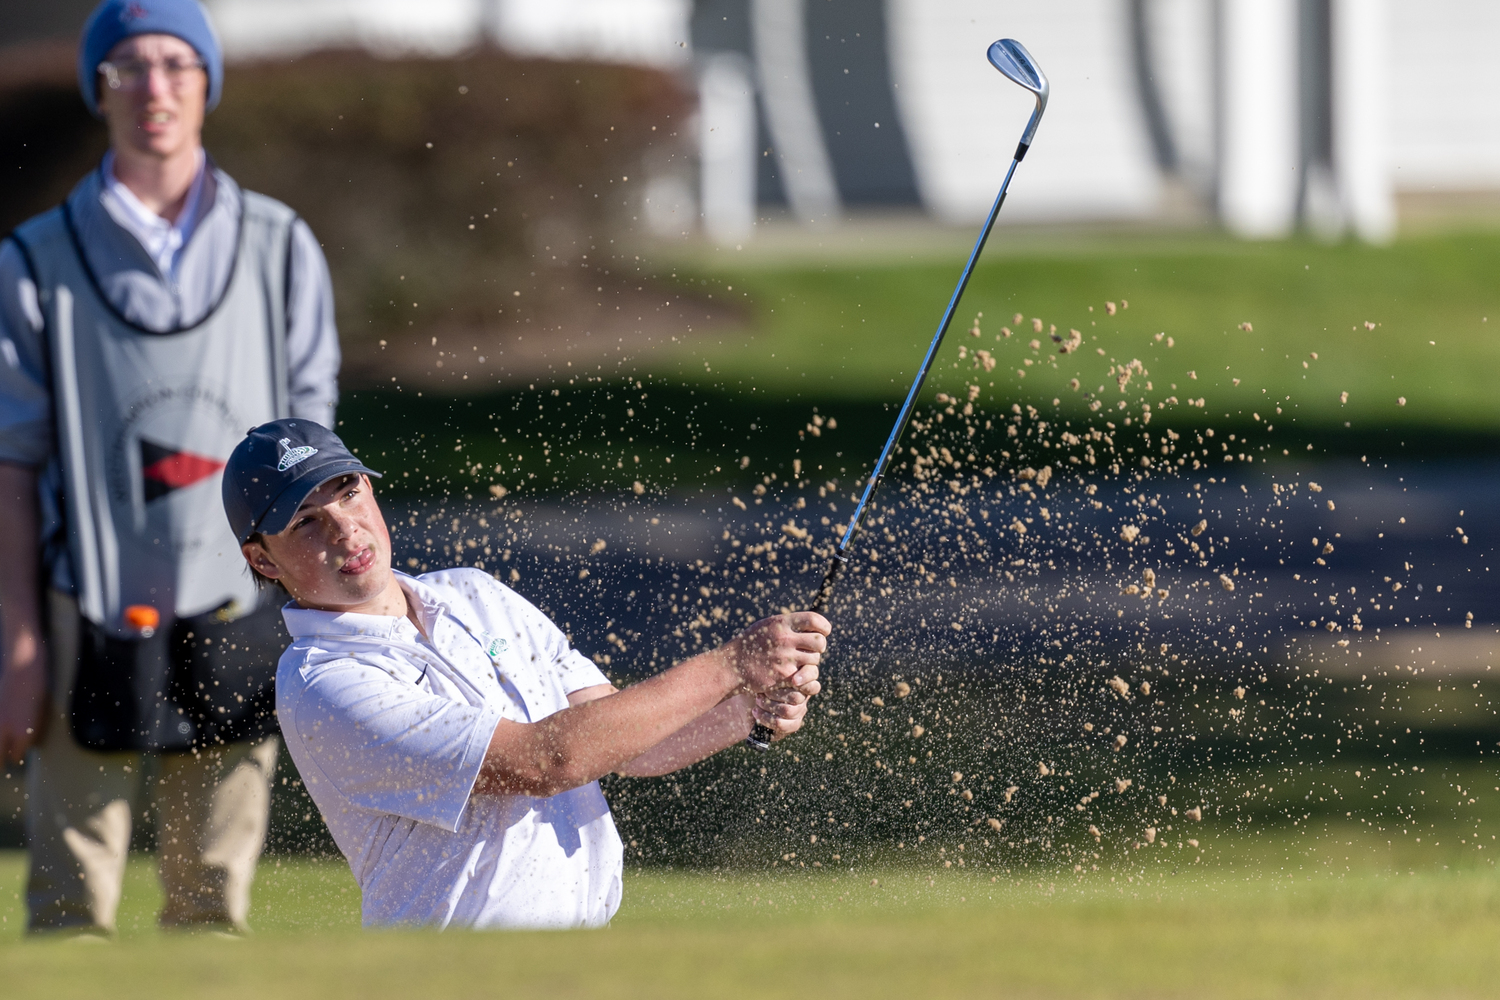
{"points": [[389, 731]]}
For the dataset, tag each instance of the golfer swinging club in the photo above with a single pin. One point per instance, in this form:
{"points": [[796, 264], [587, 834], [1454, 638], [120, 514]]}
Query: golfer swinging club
{"points": [[450, 736]]}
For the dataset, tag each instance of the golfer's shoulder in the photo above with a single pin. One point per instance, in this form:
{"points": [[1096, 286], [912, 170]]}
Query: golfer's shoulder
{"points": [[309, 656], [466, 585], [484, 602]]}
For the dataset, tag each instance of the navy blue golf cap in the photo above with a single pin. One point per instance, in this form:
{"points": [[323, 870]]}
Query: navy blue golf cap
{"points": [[278, 466]]}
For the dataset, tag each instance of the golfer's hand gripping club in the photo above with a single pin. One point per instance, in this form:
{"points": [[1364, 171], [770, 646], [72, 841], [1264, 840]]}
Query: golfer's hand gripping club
{"points": [[1010, 58]]}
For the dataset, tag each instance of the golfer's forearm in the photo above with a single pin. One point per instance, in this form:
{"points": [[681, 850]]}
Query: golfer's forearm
{"points": [[583, 743], [20, 615], [723, 726]]}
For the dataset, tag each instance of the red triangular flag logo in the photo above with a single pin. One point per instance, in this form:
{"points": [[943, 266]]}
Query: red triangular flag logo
{"points": [[165, 469]]}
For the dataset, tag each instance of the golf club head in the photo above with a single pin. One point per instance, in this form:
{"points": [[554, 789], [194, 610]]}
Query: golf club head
{"points": [[1011, 58]]}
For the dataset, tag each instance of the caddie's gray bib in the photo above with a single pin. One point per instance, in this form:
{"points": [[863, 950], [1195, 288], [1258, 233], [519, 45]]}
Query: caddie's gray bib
{"points": [[146, 420]]}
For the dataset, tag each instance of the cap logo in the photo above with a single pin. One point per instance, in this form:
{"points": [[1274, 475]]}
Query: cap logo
{"points": [[134, 12], [292, 456]]}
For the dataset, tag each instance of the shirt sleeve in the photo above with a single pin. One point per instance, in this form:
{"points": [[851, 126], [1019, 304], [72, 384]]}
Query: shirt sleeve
{"points": [[25, 385], [387, 744], [569, 664], [312, 339], [575, 670]]}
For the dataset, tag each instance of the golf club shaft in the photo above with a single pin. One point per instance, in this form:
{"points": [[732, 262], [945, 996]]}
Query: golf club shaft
{"points": [[760, 736]]}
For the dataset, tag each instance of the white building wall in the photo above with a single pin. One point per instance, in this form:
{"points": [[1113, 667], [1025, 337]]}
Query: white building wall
{"points": [[647, 32], [1445, 94], [257, 29], [1091, 157], [1183, 51], [1429, 109]]}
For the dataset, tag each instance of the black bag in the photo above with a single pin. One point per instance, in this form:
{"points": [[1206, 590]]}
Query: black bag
{"points": [[199, 682]]}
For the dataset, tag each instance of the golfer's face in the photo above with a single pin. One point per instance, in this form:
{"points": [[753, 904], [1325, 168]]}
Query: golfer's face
{"points": [[336, 553]]}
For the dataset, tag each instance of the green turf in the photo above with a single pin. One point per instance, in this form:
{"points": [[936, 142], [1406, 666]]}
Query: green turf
{"points": [[1275, 920], [846, 338], [856, 330]]}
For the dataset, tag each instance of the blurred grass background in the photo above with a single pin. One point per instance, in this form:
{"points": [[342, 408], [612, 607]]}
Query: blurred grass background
{"points": [[845, 337]]}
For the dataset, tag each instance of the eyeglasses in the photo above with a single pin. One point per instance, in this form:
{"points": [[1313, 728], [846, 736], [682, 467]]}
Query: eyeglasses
{"points": [[132, 74]]}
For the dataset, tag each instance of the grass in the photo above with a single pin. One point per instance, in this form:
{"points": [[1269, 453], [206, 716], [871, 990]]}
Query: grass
{"points": [[1279, 919], [856, 330], [846, 337]]}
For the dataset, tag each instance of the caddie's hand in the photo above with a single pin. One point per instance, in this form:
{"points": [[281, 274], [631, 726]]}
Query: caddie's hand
{"points": [[782, 709], [770, 653], [23, 699]]}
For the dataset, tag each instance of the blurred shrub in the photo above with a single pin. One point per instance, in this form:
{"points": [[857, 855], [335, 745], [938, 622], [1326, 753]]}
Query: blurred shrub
{"points": [[446, 182], [48, 139]]}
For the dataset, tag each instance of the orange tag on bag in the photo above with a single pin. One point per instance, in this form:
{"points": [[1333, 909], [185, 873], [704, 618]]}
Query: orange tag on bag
{"points": [[143, 617]]}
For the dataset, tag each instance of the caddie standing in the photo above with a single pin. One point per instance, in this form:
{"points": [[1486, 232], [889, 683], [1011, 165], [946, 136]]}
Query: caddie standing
{"points": [[145, 324]]}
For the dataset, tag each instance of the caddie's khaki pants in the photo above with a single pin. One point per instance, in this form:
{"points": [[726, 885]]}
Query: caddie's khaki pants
{"points": [[212, 809]]}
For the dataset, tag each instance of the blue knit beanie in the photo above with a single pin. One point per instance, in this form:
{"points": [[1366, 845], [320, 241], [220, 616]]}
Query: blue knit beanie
{"points": [[113, 21]]}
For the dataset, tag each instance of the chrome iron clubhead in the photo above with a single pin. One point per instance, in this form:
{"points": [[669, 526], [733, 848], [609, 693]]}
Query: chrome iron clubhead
{"points": [[1011, 59]]}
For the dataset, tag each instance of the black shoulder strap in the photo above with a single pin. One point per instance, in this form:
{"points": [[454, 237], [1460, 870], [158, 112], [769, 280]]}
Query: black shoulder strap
{"points": [[280, 348]]}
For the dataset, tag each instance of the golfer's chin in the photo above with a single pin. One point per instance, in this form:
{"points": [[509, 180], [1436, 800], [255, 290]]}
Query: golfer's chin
{"points": [[349, 588]]}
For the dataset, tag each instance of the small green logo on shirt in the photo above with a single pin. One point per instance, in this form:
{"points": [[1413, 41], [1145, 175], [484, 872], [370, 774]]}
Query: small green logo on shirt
{"points": [[493, 646]]}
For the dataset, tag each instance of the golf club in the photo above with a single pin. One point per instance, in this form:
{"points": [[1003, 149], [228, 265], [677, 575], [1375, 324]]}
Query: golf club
{"points": [[1011, 59]]}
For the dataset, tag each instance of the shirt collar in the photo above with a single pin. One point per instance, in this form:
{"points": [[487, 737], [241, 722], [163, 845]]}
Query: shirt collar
{"points": [[162, 239], [309, 623]]}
